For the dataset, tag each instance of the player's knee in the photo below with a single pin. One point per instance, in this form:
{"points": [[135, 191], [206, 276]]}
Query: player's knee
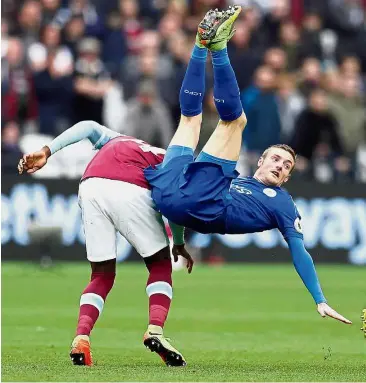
{"points": [[104, 267], [161, 255], [241, 121]]}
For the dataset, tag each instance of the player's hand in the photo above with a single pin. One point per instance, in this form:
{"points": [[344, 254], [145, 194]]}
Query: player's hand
{"points": [[325, 310], [32, 162], [181, 250]]}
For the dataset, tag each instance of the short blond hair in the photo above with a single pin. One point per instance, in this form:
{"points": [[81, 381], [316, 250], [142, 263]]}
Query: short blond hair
{"points": [[285, 147]]}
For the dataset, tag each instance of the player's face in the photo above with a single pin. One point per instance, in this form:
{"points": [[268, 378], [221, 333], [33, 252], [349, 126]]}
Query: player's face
{"points": [[274, 169]]}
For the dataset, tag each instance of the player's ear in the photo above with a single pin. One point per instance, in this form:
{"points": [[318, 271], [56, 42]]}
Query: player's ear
{"points": [[286, 179], [260, 161]]}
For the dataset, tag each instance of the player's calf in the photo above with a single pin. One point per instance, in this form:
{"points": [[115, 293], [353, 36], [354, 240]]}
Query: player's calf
{"points": [[225, 141], [188, 131], [160, 292], [91, 306]]}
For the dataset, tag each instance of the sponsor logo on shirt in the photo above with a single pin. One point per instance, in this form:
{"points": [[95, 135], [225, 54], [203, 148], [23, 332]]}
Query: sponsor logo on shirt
{"points": [[241, 189]]}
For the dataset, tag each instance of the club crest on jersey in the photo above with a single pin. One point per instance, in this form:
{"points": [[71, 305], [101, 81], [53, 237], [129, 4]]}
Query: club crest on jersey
{"points": [[297, 225], [270, 192]]}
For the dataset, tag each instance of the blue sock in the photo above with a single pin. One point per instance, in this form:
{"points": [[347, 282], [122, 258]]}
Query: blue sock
{"points": [[193, 86], [226, 89], [228, 166]]}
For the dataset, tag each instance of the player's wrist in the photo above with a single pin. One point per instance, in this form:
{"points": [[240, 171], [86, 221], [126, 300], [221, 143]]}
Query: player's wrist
{"points": [[47, 151], [323, 301], [179, 243]]}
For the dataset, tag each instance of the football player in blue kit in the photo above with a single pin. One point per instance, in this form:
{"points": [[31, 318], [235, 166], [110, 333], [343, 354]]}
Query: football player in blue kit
{"points": [[206, 194]]}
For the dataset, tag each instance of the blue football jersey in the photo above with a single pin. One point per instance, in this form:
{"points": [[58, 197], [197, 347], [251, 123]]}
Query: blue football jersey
{"points": [[256, 207]]}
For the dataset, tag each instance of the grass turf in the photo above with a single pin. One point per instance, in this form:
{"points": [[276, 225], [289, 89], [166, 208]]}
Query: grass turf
{"points": [[232, 323]]}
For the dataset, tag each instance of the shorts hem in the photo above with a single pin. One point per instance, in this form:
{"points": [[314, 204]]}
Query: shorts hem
{"points": [[101, 260], [150, 253]]}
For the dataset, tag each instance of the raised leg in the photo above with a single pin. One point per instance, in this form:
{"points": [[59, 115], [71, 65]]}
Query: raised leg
{"points": [[225, 142]]}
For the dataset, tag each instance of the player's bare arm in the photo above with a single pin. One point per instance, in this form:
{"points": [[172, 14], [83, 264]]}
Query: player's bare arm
{"points": [[97, 134]]}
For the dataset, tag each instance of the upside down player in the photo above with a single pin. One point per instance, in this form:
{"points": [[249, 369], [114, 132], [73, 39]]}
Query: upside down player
{"points": [[205, 194], [115, 197]]}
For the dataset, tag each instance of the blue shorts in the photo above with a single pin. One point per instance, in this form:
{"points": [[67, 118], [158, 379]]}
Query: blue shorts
{"points": [[192, 194]]}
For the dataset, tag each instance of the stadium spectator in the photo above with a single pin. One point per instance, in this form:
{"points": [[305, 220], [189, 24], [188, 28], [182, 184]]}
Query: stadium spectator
{"points": [[276, 59], [29, 22], [50, 9], [150, 64], [18, 93], [148, 117], [242, 55], [278, 13], [290, 104], [132, 27], [52, 65], [349, 109], [85, 8], [91, 83], [114, 43], [260, 104], [290, 43], [309, 76], [316, 131], [310, 35], [10, 151], [74, 31]]}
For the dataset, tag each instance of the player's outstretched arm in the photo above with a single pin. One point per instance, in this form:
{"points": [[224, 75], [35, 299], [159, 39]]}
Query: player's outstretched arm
{"points": [[97, 134], [304, 266]]}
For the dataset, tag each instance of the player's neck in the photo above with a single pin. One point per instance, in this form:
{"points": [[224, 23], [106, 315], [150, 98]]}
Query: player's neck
{"points": [[263, 182], [259, 180]]}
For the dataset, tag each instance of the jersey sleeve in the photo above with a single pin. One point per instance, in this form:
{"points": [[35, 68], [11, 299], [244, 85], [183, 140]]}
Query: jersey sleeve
{"points": [[97, 134], [103, 135], [289, 219]]}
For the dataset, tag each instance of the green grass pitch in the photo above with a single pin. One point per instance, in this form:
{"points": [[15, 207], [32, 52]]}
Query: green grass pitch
{"points": [[232, 323]]}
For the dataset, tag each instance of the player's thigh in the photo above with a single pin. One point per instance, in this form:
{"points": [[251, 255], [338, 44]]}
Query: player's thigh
{"points": [[138, 222], [188, 132], [226, 141], [100, 232]]}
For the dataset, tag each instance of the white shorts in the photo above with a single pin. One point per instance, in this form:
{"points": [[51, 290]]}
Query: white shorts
{"points": [[110, 206]]}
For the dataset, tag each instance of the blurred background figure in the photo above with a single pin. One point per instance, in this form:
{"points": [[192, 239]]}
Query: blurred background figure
{"points": [[316, 134], [148, 117], [290, 104], [68, 60], [91, 82], [18, 102], [261, 107], [10, 151]]}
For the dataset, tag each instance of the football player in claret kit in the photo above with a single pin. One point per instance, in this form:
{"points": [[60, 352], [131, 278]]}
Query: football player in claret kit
{"points": [[206, 194], [114, 196]]}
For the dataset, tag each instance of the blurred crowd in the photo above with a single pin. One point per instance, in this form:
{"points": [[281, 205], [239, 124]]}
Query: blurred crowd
{"points": [[300, 65]]}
